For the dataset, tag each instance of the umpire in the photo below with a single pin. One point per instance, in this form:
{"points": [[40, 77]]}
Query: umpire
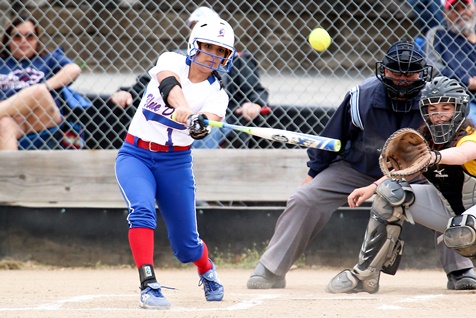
{"points": [[368, 115]]}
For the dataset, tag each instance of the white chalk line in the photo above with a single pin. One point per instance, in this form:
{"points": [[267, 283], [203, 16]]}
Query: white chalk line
{"points": [[59, 305], [419, 298], [255, 300], [414, 299], [336, 298]]}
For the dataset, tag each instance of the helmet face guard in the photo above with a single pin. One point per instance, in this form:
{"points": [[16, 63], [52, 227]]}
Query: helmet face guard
{"points": [[403, 57], [224, 63], [217, 32], [443, 90]]}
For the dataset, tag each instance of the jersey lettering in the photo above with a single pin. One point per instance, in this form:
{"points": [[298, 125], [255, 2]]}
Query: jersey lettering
{"points": [[151, 116]]}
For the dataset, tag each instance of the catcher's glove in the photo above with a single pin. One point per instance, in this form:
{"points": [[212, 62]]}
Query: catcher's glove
{"points": [[406, 152]]}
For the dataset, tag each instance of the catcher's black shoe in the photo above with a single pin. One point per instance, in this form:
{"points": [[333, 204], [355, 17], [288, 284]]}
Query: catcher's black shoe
{"points": [[462, 280], [262, 278]]}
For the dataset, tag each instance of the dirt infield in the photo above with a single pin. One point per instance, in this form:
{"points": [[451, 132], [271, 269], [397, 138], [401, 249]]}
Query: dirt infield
{"points": [[108, 293]]}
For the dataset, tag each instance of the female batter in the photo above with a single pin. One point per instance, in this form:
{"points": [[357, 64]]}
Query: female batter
{"points": [[444, 105], [154, 165]]}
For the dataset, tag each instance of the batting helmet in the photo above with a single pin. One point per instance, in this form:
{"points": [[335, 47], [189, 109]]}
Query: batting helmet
{"points": [[213, 31], [200, 14]]}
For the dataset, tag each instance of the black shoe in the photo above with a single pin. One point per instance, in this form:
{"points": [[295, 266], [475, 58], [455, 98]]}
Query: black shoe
{"points": [[462, 280], [262, 278]]}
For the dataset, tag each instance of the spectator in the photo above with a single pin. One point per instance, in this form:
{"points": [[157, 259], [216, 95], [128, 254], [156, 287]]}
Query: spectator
{"points": [[452, 49], [368, 115], [428, 13], [247, 95], [31, 79], [444, 106]]}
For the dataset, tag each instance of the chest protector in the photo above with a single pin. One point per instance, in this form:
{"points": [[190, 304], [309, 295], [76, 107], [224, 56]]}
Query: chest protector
{"points": [[455, 185]]}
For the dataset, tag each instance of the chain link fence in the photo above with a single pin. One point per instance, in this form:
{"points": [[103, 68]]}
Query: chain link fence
{"points": [[115, 41]]}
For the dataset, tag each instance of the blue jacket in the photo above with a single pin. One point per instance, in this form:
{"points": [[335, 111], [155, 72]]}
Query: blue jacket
{"points": [[454, 56], [362, 122], [16, 75]]}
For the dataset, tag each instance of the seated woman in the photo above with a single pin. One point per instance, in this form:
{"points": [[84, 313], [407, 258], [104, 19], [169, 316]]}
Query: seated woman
{"points": [[31, 79]]}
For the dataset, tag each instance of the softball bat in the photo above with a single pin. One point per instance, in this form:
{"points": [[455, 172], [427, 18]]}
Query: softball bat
{"points": [[285, 136]]}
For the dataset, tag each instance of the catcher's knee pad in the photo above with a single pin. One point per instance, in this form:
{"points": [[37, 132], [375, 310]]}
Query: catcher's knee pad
{"points": [[393, 196], [381, 250], [460, 234]]}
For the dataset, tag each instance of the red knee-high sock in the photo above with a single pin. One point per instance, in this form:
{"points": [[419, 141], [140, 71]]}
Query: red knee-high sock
{"points": [[203, 263], [141, 241]]}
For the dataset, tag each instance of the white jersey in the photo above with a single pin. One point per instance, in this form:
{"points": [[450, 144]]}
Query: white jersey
{"points": [[152, 120]]}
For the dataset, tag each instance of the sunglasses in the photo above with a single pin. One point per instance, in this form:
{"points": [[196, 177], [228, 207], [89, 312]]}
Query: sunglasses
{"points": [[29, 36]]}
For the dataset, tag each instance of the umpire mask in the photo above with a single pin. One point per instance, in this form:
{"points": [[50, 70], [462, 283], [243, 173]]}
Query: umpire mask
{"points": [[406, 62]]}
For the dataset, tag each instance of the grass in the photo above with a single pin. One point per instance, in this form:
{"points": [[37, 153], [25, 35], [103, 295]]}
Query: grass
{"points": [[13, 264], [229, 258]]}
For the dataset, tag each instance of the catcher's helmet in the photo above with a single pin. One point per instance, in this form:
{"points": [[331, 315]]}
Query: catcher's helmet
{"points": [[213, 31], [444, 90], [403, 57]]}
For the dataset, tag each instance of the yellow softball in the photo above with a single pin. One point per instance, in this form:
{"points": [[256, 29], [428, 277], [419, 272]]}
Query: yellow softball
{"points": [[320, 39]]}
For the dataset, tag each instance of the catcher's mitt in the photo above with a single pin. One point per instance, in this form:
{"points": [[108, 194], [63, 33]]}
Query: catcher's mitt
{"points": [[406, 152]]}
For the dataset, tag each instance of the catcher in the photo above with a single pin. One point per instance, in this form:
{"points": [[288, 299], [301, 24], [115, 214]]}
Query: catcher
{"points": [[445, 153]]}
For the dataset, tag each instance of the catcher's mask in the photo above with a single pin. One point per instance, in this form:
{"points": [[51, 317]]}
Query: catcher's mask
{"points": [[213, 31], [444, 90], [403, 57]]}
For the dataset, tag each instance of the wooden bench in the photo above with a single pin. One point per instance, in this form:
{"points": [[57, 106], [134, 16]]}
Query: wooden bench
{"points": [[86, 178]]}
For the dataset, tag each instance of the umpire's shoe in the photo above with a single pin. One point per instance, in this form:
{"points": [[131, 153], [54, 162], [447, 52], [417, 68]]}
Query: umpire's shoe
{"points": [[151, 297], [348, 282], [262, 278], [462, 280], [214, 290]]}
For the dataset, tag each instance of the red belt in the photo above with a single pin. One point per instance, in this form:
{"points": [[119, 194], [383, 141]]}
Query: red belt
{"points": [[151, 146]]}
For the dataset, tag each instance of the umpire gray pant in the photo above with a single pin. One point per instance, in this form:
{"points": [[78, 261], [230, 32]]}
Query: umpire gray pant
{"points": [[309, 209]]}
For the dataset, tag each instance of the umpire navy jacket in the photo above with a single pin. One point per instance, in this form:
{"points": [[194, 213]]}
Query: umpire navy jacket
{"points": [[362, 122]]}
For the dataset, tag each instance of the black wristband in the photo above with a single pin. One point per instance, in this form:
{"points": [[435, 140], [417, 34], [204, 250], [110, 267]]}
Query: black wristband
{"points": [[437, 157]]}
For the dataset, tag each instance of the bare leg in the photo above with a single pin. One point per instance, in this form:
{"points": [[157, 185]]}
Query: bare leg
{"points": [[9, 130], [33, 109]]}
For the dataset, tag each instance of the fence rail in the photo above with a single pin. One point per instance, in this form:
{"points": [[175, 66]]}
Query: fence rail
{"points": [[86, 179], [113, 38]]}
